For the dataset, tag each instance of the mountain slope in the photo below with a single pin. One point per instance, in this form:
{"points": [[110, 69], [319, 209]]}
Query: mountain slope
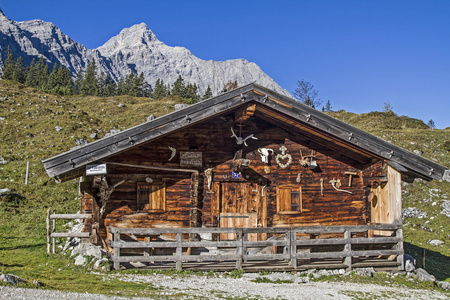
{"points": [[133, 49]]}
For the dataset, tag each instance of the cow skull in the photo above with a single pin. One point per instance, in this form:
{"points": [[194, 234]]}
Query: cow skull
{"points": [[265, 152]]}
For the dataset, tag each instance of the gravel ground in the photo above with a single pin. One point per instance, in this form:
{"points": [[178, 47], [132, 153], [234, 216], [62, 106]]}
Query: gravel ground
{"points": [[195, 287]]}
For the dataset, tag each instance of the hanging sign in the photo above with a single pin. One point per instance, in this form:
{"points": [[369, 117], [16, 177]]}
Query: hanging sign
{"points": [[96, 169], [191, 159], [235, 175]]}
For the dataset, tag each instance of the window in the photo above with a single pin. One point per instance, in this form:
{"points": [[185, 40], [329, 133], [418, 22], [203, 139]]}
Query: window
{"points": [[151, 197], [289, 199]]}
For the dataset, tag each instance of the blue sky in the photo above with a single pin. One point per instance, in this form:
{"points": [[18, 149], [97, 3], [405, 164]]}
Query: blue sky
{"points": [[357, 54]]}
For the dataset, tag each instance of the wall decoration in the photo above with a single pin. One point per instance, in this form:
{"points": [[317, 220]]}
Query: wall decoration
{"points": [[208, 174], [174, 151], [284, 159], [265, 152], [336, 183], [267, 169], [299, 178], [188, 158], [240, 140], [321, 186], [308, 160]]}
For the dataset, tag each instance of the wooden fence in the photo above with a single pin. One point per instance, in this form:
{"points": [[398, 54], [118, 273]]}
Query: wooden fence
{"points": [[296, 246], [51, 231]]}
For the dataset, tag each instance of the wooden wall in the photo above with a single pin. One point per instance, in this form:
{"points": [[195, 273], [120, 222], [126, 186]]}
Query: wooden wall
{"points": [[213, 139]]}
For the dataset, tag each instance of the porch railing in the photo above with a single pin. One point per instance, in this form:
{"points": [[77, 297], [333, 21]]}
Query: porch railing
{"points": [[291, 244]]}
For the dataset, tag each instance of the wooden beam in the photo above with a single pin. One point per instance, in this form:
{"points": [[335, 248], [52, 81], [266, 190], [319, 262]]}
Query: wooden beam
{"points": [[244, 112]]}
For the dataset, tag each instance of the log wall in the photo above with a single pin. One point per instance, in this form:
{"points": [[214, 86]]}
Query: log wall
{"points": [[321, 203]]}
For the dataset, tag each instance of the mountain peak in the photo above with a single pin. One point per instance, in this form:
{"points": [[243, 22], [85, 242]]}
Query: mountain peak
{"points": [[133, 36]]}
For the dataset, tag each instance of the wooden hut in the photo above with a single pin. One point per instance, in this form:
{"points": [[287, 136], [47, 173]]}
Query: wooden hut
{"points": [[249, 170]]}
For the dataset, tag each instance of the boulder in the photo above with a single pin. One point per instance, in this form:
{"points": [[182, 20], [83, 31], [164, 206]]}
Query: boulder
{"points": [[435, 242], [445, 206], [423, 275], [3, 161], [150, 118], [58, 128], [12, 279], [412, 212], [444, 285], [366, 272]]}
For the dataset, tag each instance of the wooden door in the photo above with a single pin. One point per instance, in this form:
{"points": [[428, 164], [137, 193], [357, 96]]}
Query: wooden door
{"points": [[240, 204]]}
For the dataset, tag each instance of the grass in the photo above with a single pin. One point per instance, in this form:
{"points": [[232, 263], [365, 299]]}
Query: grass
{"points": [[28, 118]]}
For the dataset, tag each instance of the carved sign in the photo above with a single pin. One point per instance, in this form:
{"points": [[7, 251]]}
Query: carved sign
{"points": [[193, 159]]}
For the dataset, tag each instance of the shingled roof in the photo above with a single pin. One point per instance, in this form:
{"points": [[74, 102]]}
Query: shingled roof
{"points": [[275, 107]]}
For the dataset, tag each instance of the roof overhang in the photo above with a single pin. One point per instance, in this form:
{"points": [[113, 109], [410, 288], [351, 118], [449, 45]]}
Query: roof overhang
{"points": [[270, 105]]}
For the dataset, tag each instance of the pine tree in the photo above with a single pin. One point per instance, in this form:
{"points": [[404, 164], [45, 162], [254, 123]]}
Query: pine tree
{"points": [[191, 96], [327, 107], [120, 86], [19, 74], [89, 83], [42, 73], [160, 90], [9, 65], [52, 82], [179, 88], [207, 94], [78, 81], [31, 79]]}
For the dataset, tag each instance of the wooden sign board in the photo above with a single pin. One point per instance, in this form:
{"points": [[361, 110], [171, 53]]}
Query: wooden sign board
{"points": [[96, 169], [191, 159]]}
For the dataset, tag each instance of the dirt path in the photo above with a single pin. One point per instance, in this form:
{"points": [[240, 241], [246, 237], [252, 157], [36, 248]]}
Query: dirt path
{"points": [[202, 287]]}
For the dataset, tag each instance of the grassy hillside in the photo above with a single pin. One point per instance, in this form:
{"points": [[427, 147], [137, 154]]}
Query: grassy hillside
{"points": [[28, 121]]}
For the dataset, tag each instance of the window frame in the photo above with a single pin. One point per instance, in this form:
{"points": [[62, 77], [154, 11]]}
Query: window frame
{"points": [[146, 194], [284, 205]]}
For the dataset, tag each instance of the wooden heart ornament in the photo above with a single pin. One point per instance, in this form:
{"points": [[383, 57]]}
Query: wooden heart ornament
{"points": [[284, 159]]}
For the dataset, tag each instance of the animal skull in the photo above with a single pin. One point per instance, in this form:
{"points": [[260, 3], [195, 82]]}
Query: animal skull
{"points": [[265, 152]]}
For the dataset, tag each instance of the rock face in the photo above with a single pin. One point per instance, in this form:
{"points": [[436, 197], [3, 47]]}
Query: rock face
{"points": [[133, 49]]}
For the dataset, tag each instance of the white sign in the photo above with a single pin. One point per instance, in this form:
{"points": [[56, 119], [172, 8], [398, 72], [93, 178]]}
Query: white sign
{"points": [[96, 169]]}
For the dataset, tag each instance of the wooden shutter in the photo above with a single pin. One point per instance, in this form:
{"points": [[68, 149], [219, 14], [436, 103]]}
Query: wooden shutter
{"points": [[151, 197], [289, 199]]}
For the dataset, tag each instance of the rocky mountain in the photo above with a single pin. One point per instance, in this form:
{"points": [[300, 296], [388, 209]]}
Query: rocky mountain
{"points": [[133, 49]]}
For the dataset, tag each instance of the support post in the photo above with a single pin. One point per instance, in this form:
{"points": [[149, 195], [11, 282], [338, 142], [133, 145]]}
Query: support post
{"points": [[293, 247], [400, 257], [116, 254], [179, 251], [348, 249], [48, 230], [239, 249]]}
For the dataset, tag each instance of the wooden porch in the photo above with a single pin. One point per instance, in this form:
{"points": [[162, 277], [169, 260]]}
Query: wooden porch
{"points": [[281, 249]]}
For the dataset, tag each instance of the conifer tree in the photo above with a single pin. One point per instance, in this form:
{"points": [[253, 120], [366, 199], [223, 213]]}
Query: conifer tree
{"points": [[19, 74], [31, 79], [89, 83], [160, 90], [179, 88], [207, 94], [78, 81], [9, 65]]}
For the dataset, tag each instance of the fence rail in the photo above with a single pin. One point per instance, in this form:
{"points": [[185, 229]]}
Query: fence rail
{"points": [[290, 244], [51, 231]]}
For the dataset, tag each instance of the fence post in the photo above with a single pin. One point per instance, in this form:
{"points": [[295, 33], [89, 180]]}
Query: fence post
{"points": [[293, 247], [53, 231], [399, 247], [348, 249], [179, 251], [239, 251], [116, 246], [48, 230], [244, 248]]}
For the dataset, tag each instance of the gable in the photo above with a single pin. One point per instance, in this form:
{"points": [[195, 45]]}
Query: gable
{"points": [[309, 125]]}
